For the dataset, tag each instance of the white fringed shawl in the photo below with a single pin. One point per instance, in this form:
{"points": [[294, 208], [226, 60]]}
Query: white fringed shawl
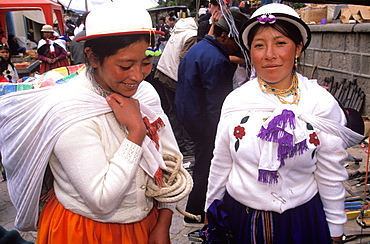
{"points": [[250, 98], [30, 124]]}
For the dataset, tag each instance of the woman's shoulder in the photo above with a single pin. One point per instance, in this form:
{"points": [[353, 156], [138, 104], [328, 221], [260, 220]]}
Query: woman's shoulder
{"points": [[313, 90]]}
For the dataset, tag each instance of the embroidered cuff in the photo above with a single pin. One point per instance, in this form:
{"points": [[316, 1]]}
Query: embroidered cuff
{"points": [[171, 206], [129, 150]]}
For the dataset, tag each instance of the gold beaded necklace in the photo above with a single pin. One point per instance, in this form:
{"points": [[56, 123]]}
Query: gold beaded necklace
{"points": [[281, 94]]}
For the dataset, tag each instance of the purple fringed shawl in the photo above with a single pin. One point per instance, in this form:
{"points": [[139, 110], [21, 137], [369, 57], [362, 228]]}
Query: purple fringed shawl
{"points": [[280, 130]]}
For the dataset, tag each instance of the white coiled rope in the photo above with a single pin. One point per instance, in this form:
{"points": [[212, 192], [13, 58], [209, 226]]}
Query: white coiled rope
{"points": [[177, 184]]}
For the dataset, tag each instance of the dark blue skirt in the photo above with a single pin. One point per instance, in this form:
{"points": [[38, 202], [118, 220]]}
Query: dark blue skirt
{"points": [[305, 224]]}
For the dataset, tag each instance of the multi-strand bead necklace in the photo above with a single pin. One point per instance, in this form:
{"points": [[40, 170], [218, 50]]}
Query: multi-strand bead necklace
{"points": [[282, 94]]}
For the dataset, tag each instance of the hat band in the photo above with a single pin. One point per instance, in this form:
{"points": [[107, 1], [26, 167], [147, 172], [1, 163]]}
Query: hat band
{"points": [[130, 30]]}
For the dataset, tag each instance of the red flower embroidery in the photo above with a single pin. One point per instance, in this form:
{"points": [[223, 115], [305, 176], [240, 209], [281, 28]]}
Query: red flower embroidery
{"points": [[314, 139], [239, 132]]}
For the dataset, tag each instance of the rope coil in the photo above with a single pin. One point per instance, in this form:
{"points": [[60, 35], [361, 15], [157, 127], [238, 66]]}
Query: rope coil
{"points": [[177, 184]]}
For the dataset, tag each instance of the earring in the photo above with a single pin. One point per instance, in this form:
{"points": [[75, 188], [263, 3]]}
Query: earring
{"points": [[296, 62], [150, 52]]}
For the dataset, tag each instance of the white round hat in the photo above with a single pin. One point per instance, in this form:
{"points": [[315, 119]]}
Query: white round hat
{"points": [[118, 18], [47, 28], [280, 12]]}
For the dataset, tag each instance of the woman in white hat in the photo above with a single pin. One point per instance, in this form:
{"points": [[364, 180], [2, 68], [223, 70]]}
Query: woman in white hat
{"points": [[101, 145], [280, 143], [49, 52]]}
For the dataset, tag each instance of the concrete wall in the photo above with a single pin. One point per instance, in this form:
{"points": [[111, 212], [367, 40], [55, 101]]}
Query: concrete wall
{"points": [[341, 51]]}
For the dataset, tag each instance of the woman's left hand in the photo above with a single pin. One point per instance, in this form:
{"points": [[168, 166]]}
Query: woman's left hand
{"points": [[159, 236], [161, 232]]}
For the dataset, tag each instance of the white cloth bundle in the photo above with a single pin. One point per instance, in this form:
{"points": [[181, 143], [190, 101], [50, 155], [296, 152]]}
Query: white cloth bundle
{"points": [[30, 124]]}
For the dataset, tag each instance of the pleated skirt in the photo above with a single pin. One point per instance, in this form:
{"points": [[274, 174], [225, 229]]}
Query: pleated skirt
{"points": [[305, 224], [58, 225]]}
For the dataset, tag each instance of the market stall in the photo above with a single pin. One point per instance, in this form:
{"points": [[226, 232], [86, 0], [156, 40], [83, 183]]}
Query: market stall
{"points": [[48, 7], [27, 67]]}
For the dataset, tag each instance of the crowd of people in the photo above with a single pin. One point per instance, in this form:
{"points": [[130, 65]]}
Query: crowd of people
{"points": [[53, 49], [226, 89]]}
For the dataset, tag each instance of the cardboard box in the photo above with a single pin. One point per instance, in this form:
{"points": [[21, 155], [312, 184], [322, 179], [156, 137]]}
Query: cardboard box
{"points": [[359, 13], [314, 13], [367, 125]]}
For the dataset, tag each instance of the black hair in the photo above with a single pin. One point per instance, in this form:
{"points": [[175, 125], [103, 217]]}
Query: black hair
{"points": [[214, 2], [286, 28], [5, 47], [104, 47], [217, 31], [3, 65]]}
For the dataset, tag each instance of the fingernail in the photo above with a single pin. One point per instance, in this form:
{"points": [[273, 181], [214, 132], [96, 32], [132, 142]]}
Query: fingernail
{"points": [[108, 99]]}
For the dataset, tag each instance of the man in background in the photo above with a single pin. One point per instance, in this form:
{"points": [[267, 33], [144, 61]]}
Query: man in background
{"points": [[204, 80]]}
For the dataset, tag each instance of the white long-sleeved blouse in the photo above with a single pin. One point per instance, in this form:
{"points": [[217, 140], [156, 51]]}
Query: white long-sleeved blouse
{"points": [[96, 169], [239, 153]]}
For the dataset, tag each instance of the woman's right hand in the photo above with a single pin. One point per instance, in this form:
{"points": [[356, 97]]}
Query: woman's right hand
{"points": [[49, 60], [127, 112]]}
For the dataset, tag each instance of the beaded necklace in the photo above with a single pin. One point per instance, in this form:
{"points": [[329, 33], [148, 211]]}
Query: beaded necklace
{"points": [[282, 94]]}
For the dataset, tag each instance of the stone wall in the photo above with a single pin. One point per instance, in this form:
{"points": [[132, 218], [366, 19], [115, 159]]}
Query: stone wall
{"points": [[341, 51]]}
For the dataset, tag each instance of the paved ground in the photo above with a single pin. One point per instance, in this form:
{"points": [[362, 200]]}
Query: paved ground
{"points": [[178, 230]]}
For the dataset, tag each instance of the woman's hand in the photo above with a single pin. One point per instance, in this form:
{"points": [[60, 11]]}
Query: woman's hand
{"points": [[127, 112], [49, 60], [161, 232], [216, 16]]}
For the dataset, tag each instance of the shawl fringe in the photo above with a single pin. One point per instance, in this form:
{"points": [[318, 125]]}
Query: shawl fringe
{"points": [[267, 176], [158, 177], [280, 130], [153, 129]]}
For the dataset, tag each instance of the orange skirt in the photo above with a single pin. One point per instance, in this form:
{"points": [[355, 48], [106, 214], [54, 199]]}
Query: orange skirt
{"points": [[59, 225]]}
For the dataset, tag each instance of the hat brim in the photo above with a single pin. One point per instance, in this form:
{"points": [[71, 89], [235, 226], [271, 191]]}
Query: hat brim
{"points": [[94, 36], [302, 26]]}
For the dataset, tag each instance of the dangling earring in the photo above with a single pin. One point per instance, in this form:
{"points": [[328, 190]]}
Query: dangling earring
{"points": [[150, 52], [296, 62]]}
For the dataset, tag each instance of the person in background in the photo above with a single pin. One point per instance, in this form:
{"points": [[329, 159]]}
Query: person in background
{"points": [[11, 237], [245, 7], [51, 54], [80, 25], [206, 21], [280, 145], [77, 49], [15, 49], [31, 35], [10, 72], [171, 23], [182, 39], [165, 28], [102, 134], [204, 80], [3, 79], [3, 39], [202, 11]]}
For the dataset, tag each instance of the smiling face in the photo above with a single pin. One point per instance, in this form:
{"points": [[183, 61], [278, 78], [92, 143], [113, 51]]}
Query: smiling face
{"points": [[272, 55], [123, 71]]}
